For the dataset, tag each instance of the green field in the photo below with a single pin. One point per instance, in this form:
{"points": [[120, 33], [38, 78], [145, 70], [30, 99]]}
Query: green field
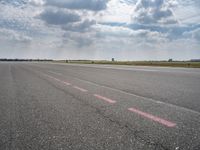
{"points": [[186, 64]]}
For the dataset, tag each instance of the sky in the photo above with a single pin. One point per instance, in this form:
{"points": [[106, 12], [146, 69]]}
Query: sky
{"points": [[100, 29]]}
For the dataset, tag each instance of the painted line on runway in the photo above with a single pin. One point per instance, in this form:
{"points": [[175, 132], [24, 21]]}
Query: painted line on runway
{"points": [[55, 73], [52, 77], [105, 99], [56, 79], [153, 118], [47, 75], [80, 89], [66, 83]]}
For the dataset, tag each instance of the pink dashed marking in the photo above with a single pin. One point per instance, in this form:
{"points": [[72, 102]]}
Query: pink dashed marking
{"points": [[154, 118], [105, 99], [57, 79], [66, 83], [80, 89], [48, 75]]}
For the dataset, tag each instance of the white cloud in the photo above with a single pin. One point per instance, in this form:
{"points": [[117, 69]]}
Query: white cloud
{"points": [[37, 2], [154, 12], [93, 5], [82, 26], [58, 16], [14, 36], [195, 34]]}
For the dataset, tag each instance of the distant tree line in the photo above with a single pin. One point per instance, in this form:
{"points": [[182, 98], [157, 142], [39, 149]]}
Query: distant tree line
{"points": [[195, 60], [5, 59]]}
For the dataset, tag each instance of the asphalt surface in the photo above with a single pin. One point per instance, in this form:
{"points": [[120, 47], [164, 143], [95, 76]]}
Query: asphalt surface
{"points": [[70, 106]]}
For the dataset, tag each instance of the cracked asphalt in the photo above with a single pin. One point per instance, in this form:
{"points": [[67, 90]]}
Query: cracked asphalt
{"points": [[46, 106]]}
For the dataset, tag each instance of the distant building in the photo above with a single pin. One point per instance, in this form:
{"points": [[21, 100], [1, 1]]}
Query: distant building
{"points": [[113, 59], [170, 60], [195, 60]]}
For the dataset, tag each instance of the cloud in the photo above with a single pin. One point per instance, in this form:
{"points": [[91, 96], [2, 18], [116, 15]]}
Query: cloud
{"points": [[20, 20], [78, 29], [190, 2], [83, 26], [127, 35], [59, 17], [16, 3], [79, 39], [154, 12], [173, 32], [93, 5], [37, 2], [11, 35], [194, 34], [76, 23]]}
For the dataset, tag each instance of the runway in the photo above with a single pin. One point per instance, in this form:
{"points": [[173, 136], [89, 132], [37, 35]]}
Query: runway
{"points": [[72, 106]]}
